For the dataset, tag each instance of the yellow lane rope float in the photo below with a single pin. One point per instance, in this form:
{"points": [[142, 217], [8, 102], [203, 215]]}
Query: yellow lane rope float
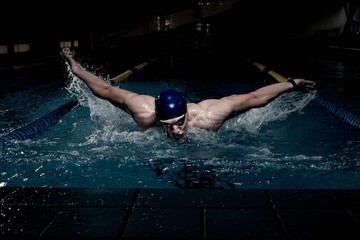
{"points": [[127, 73], [278, 77]]}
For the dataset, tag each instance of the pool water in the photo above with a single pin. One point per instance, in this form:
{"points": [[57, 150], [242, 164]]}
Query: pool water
{"points": [[291, 143]]}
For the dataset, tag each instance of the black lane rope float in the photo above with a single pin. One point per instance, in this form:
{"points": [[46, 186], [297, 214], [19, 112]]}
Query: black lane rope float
{"points": [[41, 124], [50, 119], [345, 115]]}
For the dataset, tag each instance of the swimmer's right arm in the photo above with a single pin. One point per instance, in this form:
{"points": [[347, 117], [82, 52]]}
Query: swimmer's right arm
{"points": [[98, 86], [141, 107]]}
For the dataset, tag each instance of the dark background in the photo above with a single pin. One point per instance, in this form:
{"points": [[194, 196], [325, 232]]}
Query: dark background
{"points": [[255, 26]]}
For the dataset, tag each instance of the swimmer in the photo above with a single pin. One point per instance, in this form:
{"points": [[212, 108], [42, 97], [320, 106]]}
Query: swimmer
{"points": [[171, 111]]}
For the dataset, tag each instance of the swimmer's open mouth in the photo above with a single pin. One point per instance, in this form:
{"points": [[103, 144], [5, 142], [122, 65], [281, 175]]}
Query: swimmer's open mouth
{"points": [[178, 137]]}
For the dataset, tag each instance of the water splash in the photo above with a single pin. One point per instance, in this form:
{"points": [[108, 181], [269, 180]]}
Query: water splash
{"points": [[279, 109], [99, 145]]}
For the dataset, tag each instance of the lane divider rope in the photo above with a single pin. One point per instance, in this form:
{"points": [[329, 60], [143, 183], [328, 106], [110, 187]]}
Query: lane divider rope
{"points": [[345, 115]]}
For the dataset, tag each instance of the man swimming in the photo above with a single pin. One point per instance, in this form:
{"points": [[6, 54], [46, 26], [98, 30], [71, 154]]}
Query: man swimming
{"points": [[171, 111]]}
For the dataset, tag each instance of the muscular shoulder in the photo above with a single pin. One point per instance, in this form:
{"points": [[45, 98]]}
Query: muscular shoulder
{"points": [[142, 101], [195, 109], [142, 109], [201, 116]]}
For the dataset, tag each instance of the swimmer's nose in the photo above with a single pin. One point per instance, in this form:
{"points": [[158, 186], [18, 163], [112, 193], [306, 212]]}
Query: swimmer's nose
{"points": [[177, 130]]}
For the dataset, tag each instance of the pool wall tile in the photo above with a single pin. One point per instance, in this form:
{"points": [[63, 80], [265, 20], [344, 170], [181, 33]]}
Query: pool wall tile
{"points": [[65, 213], [24, 222], [85, 222], [164, 223], [69, 197], [242, 223], [230, 198], [4, 192], [319, 223], [309, 198]]}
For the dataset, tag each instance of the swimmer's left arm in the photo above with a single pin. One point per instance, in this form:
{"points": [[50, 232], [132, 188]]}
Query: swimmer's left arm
{"points": [[263, 96], [235, 104]]}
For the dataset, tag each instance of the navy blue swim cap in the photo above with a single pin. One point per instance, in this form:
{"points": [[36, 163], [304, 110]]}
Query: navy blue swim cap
{"points": [[170, 104]]}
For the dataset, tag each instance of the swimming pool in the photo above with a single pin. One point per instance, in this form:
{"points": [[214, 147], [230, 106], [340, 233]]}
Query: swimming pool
{"points": [[291, 143]]}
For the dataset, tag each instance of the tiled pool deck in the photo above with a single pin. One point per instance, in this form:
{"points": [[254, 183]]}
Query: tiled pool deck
{"points": [[76, 213]]}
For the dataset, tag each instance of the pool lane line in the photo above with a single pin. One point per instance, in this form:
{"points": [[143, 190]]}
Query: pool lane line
{"points": [[41, 124], [345, 115], [50, 119], [127, 73]]}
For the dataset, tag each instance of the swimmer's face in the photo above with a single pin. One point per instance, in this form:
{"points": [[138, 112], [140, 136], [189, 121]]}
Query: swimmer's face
{"points": [[175, 127]]}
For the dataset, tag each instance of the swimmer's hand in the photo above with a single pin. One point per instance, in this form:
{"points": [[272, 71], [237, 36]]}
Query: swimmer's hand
{"points": [[67, 55], [304, 85], [67, 51]]}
